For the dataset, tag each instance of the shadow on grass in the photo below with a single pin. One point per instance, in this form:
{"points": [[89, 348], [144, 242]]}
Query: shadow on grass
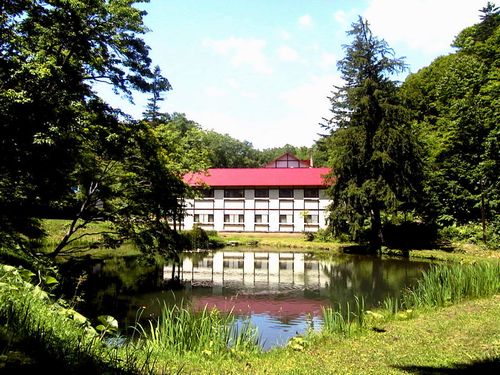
{"points": [[489, 366]]}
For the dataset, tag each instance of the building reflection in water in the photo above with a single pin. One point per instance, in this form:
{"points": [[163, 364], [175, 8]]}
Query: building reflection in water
{"points": [[284, 285], [283, 293]]}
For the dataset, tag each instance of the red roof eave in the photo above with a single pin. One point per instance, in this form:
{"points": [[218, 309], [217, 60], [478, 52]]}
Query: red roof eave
{"points": [[259, 177]]}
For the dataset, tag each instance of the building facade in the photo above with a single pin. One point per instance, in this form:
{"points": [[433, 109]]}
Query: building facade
{"points": [[287, 195]]}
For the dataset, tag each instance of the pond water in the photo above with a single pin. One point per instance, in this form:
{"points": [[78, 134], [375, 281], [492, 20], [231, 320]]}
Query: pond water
{"points": [[281, 293]]}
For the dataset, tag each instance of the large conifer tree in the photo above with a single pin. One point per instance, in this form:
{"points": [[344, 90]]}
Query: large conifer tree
{"points": [[373, 155]]}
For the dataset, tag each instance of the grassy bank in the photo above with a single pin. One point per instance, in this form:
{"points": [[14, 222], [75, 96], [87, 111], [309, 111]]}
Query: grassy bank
{"points": [[430, 328], [459, 339]]}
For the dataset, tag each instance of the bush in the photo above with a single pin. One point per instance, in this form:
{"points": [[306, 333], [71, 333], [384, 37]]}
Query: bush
{"points": [[472, 233]]}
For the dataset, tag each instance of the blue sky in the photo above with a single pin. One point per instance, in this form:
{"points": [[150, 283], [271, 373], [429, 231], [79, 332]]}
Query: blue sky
{"points": [[261, 70]]}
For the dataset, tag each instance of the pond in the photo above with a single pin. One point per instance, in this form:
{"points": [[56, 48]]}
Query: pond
{"points": [[282, 293]]}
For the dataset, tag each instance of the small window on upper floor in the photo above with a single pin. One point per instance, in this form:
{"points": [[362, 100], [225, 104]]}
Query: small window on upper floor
{"points": [[286, 193], [234, 193], [208, 193], [311, 193], [261, 193]]}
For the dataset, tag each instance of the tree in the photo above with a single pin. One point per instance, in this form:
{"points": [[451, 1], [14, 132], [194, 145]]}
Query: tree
{"points": [[51, 53], [372, 152], [159, 85], [455, 108], [228, 152]]}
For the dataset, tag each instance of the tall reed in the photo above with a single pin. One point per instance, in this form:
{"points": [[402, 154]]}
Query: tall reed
{"points": [[179, 330], [447, 284], [342, 322]]}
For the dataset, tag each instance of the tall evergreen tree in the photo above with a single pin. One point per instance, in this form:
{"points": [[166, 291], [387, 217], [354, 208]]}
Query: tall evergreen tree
{"points": [[373, 155], [159, 85]]}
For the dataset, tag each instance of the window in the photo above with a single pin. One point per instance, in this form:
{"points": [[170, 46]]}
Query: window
{"points": [[261, 193], [311, 219], [203, 218], [208, 193], [311, 193], [286, 219], [259, 218], [234, 218], [234, 193], [286, 193]]}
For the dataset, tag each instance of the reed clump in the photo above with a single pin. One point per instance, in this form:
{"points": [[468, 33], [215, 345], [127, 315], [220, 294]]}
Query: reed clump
{"points": [[180, 330], [439, 286], [448, 284], [344, 322]]}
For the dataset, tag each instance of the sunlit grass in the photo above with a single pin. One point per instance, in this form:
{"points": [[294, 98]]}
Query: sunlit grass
{"points": [[180, 330], [447, 284]]}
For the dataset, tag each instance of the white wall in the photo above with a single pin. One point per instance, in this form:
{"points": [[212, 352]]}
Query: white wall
{"points": [[249, 206]]}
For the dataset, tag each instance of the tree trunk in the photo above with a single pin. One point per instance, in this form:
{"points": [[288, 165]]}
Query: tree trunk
{"points": [[376, 238]]}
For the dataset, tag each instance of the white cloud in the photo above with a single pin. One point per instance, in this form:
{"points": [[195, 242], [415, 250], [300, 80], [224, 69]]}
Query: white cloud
{"points": [[233, 83], [305, 21], [286, 53], [242, 51], [309, 104], [311, 96], [215, 92], [285, 35], [341, 17], [426, 25], [327, 60]]}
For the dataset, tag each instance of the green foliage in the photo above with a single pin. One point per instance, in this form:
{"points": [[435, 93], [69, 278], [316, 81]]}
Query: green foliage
{"points": [[342, 322], [51, 54], [179, 330], [228, 152], [373, 153], [444, 285], [472, 233], [455, 106], [55, 337]]}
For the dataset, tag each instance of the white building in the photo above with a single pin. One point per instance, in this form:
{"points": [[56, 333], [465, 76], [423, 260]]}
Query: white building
{"points": [[287, 195]]}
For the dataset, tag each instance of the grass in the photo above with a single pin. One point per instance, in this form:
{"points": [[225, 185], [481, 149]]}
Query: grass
{"points": [[410, 335], [56, 229], [458, 339], [464, 335], [179, 330], [296, 241], [39, 334], [445, 285]]}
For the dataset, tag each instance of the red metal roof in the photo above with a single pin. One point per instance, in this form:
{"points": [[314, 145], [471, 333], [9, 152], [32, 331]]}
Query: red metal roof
{"points": [[264, 177]]}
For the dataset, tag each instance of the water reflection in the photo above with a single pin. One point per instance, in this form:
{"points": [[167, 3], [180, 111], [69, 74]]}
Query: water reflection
{"points": [[282, 293], [290, 284]]}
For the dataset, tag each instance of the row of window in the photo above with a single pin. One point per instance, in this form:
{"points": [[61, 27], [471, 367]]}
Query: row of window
{"points": [[261, 193], [259, 218]]}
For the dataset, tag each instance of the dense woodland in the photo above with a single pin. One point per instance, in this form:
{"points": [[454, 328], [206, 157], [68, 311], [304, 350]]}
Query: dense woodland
{"points": [[417, 158]]}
